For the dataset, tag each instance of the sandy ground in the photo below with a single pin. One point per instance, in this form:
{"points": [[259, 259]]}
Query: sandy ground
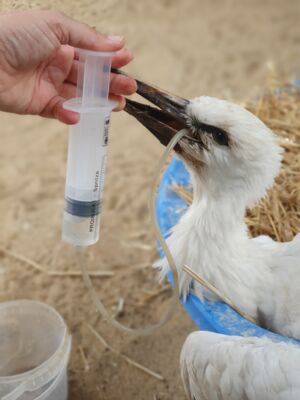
{"points": [[189, 47]]}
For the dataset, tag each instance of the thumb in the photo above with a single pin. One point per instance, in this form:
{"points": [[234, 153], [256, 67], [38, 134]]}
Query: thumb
{"points": [[77, 34]]}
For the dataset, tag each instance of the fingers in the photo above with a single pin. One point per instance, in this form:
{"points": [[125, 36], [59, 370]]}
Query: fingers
{"points": [[77, 34], [54, 108], [119, 84], [66, 116], [72, 118], [121, 102], [122, 85], [122, 58], [67, 91]]}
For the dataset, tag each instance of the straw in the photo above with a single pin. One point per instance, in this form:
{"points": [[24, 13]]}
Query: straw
{"points": [[55, 273], [84, 359], [120, 308], [215, 291], [123, 356]]}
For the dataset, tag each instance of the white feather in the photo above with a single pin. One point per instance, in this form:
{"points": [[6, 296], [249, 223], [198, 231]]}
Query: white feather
{"points": [[218, 367]]}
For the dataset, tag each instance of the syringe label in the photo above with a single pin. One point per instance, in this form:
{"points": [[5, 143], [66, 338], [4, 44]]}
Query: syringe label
{"points": [[106, 127], [84, 209], [96, 184], [102, 174]]}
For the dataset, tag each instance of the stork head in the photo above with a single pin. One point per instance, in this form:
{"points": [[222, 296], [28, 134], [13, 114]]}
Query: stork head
{"points": [[227, 148], [236, 151]]}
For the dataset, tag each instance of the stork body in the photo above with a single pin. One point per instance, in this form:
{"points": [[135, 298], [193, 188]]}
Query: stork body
{"points": [[218, 367]]}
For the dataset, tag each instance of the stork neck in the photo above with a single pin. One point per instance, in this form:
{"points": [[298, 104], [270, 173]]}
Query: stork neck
{"points": [[212, 238], [214, 208]]}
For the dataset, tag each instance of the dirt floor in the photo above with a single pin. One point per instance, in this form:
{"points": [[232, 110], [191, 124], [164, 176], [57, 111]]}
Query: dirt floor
{"points": [[191, 47]]}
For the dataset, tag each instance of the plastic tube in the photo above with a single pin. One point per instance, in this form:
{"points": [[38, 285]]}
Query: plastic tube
{"points": [[152, 208]]}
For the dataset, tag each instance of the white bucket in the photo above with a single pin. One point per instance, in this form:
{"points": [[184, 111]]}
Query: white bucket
{"points": [[34, 352]]}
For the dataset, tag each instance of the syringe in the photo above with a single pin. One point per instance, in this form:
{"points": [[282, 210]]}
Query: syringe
{"points": [[87, 149], [86, 171]]}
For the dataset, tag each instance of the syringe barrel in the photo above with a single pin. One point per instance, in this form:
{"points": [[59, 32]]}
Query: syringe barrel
{"points": [[85, 176], [87, 149]]}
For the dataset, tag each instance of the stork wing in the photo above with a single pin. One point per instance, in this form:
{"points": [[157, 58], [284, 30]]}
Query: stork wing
{"points": [[218, 367], [286, 254]]}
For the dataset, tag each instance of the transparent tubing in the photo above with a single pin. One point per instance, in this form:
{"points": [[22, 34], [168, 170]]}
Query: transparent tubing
{"points": [[175, 296]]}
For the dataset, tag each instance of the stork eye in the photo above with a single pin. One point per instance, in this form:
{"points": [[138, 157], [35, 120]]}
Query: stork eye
{"points": [[220, 137]]}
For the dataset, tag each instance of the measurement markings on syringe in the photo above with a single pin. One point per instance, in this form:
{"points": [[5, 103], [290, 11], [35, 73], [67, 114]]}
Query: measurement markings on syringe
{"points": [[102, 174], [105, 136], [92, 224], [99, 183], [96, 186]]}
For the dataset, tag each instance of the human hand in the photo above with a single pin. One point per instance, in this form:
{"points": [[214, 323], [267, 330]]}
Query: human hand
{"points": [[38, 66]]}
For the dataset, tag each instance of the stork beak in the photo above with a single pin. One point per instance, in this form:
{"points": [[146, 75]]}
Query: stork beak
{"points": [[160, 123], [166, 120]]}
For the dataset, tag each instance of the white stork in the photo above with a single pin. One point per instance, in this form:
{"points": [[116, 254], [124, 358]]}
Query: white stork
{"points": [[233, 158]]}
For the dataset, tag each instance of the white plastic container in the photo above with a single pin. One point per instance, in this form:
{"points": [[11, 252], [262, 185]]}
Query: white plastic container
{"points": [[34, 352]]}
